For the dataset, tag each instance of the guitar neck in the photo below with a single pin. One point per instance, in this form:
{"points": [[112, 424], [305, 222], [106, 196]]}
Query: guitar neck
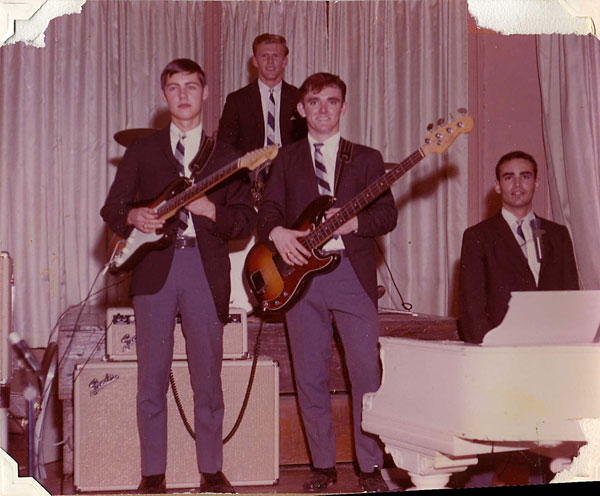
{"points": [[324, 231], [196, 190]]}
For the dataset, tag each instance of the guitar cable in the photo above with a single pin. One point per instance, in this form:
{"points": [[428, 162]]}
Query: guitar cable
{"points": [[244, 403], [406, 305]]}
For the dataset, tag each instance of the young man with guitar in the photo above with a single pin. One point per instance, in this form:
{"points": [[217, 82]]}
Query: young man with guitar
{"points": [[326, 164], [190, 276]]}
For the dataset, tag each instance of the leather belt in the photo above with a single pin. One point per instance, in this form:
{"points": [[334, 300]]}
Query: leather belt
{"points": [[184, 242]]}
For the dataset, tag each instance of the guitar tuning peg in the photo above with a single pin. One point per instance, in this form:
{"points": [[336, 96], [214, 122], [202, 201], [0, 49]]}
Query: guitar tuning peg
{"points": [[430, 126], [440, 121]]}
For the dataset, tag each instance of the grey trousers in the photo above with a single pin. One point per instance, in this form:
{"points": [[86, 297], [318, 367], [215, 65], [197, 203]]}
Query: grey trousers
{"points": [[186, 291], [340, 295]]}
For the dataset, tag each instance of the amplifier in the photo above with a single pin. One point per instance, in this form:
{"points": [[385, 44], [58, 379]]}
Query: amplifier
{"points": [[6, 310], [120, 335], [106, 442]]}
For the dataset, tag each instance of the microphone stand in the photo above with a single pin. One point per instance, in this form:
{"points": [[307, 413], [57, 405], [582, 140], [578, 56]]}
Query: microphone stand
{"points": [[33, 391], [30, 394]]}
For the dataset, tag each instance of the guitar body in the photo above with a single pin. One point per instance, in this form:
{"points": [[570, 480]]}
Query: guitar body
{"points": [[277, 285], [127, 252]]}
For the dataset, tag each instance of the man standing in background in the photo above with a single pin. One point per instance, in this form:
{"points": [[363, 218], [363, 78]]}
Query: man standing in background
{"points": [[263, 112]]}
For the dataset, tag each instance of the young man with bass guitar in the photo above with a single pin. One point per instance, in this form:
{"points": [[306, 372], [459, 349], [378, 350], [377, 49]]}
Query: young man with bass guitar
{"points": [[326, 164]]}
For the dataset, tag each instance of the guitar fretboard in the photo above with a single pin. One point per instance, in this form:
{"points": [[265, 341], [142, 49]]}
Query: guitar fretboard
{"points": [[324, 231], [193, 192]]}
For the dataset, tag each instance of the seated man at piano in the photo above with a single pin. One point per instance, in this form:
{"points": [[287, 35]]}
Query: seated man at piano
{"points": [[514, 250]]}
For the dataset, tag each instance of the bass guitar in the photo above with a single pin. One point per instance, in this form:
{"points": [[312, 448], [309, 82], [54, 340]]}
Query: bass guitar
{"points": [[126, 252], [277, 285]]}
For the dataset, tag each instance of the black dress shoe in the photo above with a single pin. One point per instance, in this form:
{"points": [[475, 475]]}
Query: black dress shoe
{"points": [[215, 483], [153, 484], [372, 482], [319, 479]]}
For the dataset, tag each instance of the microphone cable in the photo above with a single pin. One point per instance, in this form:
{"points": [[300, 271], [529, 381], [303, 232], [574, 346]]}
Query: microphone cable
{"points": [[406, 305]]}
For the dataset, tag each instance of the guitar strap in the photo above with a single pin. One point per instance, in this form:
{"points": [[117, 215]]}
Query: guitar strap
{"points": [[344, 155], [207, 147]]}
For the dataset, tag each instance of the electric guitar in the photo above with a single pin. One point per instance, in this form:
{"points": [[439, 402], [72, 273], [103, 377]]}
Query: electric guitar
{"points": [[277, 285], [126, 252]]}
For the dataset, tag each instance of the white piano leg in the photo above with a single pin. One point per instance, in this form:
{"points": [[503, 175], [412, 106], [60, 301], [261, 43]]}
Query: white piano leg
{"points": [[432, 481], [427, 469]]}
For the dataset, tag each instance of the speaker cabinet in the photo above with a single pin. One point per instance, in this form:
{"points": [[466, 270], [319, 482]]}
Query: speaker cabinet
{"points": [[106, 442], [120, 335], [6, 307]]}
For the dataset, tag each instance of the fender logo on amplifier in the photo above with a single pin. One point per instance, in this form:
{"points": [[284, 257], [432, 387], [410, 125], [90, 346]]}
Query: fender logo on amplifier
{"points": [[98, 385]]}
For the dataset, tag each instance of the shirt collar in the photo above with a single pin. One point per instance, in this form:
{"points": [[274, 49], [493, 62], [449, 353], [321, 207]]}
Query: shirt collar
{"points": [[192, 133], [329, 143], [512, 218], [265, 89]]}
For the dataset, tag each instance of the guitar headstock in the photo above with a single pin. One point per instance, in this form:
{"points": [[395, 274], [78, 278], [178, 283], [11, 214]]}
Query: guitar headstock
{"points": [[256, 158], [439, 140]]}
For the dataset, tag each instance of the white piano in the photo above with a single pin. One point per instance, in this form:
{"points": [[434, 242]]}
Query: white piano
{"points": [[531, 385]]}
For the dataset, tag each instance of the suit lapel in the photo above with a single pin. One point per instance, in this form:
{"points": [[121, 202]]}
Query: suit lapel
{"points": [[286, 109], [256, 111], [344, 155], [547, 248], [306, 168], [165, 146]]}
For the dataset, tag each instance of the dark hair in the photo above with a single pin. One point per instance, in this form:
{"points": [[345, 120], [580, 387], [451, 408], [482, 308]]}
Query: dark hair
{"points": [[181, 65], [270, 38], [319, 81], [512, 156]]}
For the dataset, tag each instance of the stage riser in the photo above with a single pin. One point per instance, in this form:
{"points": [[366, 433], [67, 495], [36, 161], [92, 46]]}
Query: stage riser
{"points": [[106, 443]]}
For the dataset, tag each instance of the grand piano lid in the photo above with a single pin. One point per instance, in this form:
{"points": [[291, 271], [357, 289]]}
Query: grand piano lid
{"points": [[548, 318]]}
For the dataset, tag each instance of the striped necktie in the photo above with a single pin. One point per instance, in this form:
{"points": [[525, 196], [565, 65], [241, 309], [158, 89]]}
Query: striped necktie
{"points": [[321, 171], [271, 119], [182, 215]]}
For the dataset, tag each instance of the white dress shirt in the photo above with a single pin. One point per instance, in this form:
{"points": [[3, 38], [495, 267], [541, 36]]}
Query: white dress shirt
{"points": [[264, 99], [528, 246], [329, 151]]}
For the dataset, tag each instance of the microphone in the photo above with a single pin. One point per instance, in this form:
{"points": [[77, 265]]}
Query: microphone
{"points": [[18, 343], [536, 229]]}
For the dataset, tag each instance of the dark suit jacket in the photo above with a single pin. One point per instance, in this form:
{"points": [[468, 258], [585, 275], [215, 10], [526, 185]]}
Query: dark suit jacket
{"points": [[147, 168], [492, 265], [242, 124], [292, 185]]}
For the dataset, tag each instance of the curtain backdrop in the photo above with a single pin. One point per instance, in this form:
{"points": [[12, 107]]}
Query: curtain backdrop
{"points": [[569, 69], [404, 63], [406, 66]]}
